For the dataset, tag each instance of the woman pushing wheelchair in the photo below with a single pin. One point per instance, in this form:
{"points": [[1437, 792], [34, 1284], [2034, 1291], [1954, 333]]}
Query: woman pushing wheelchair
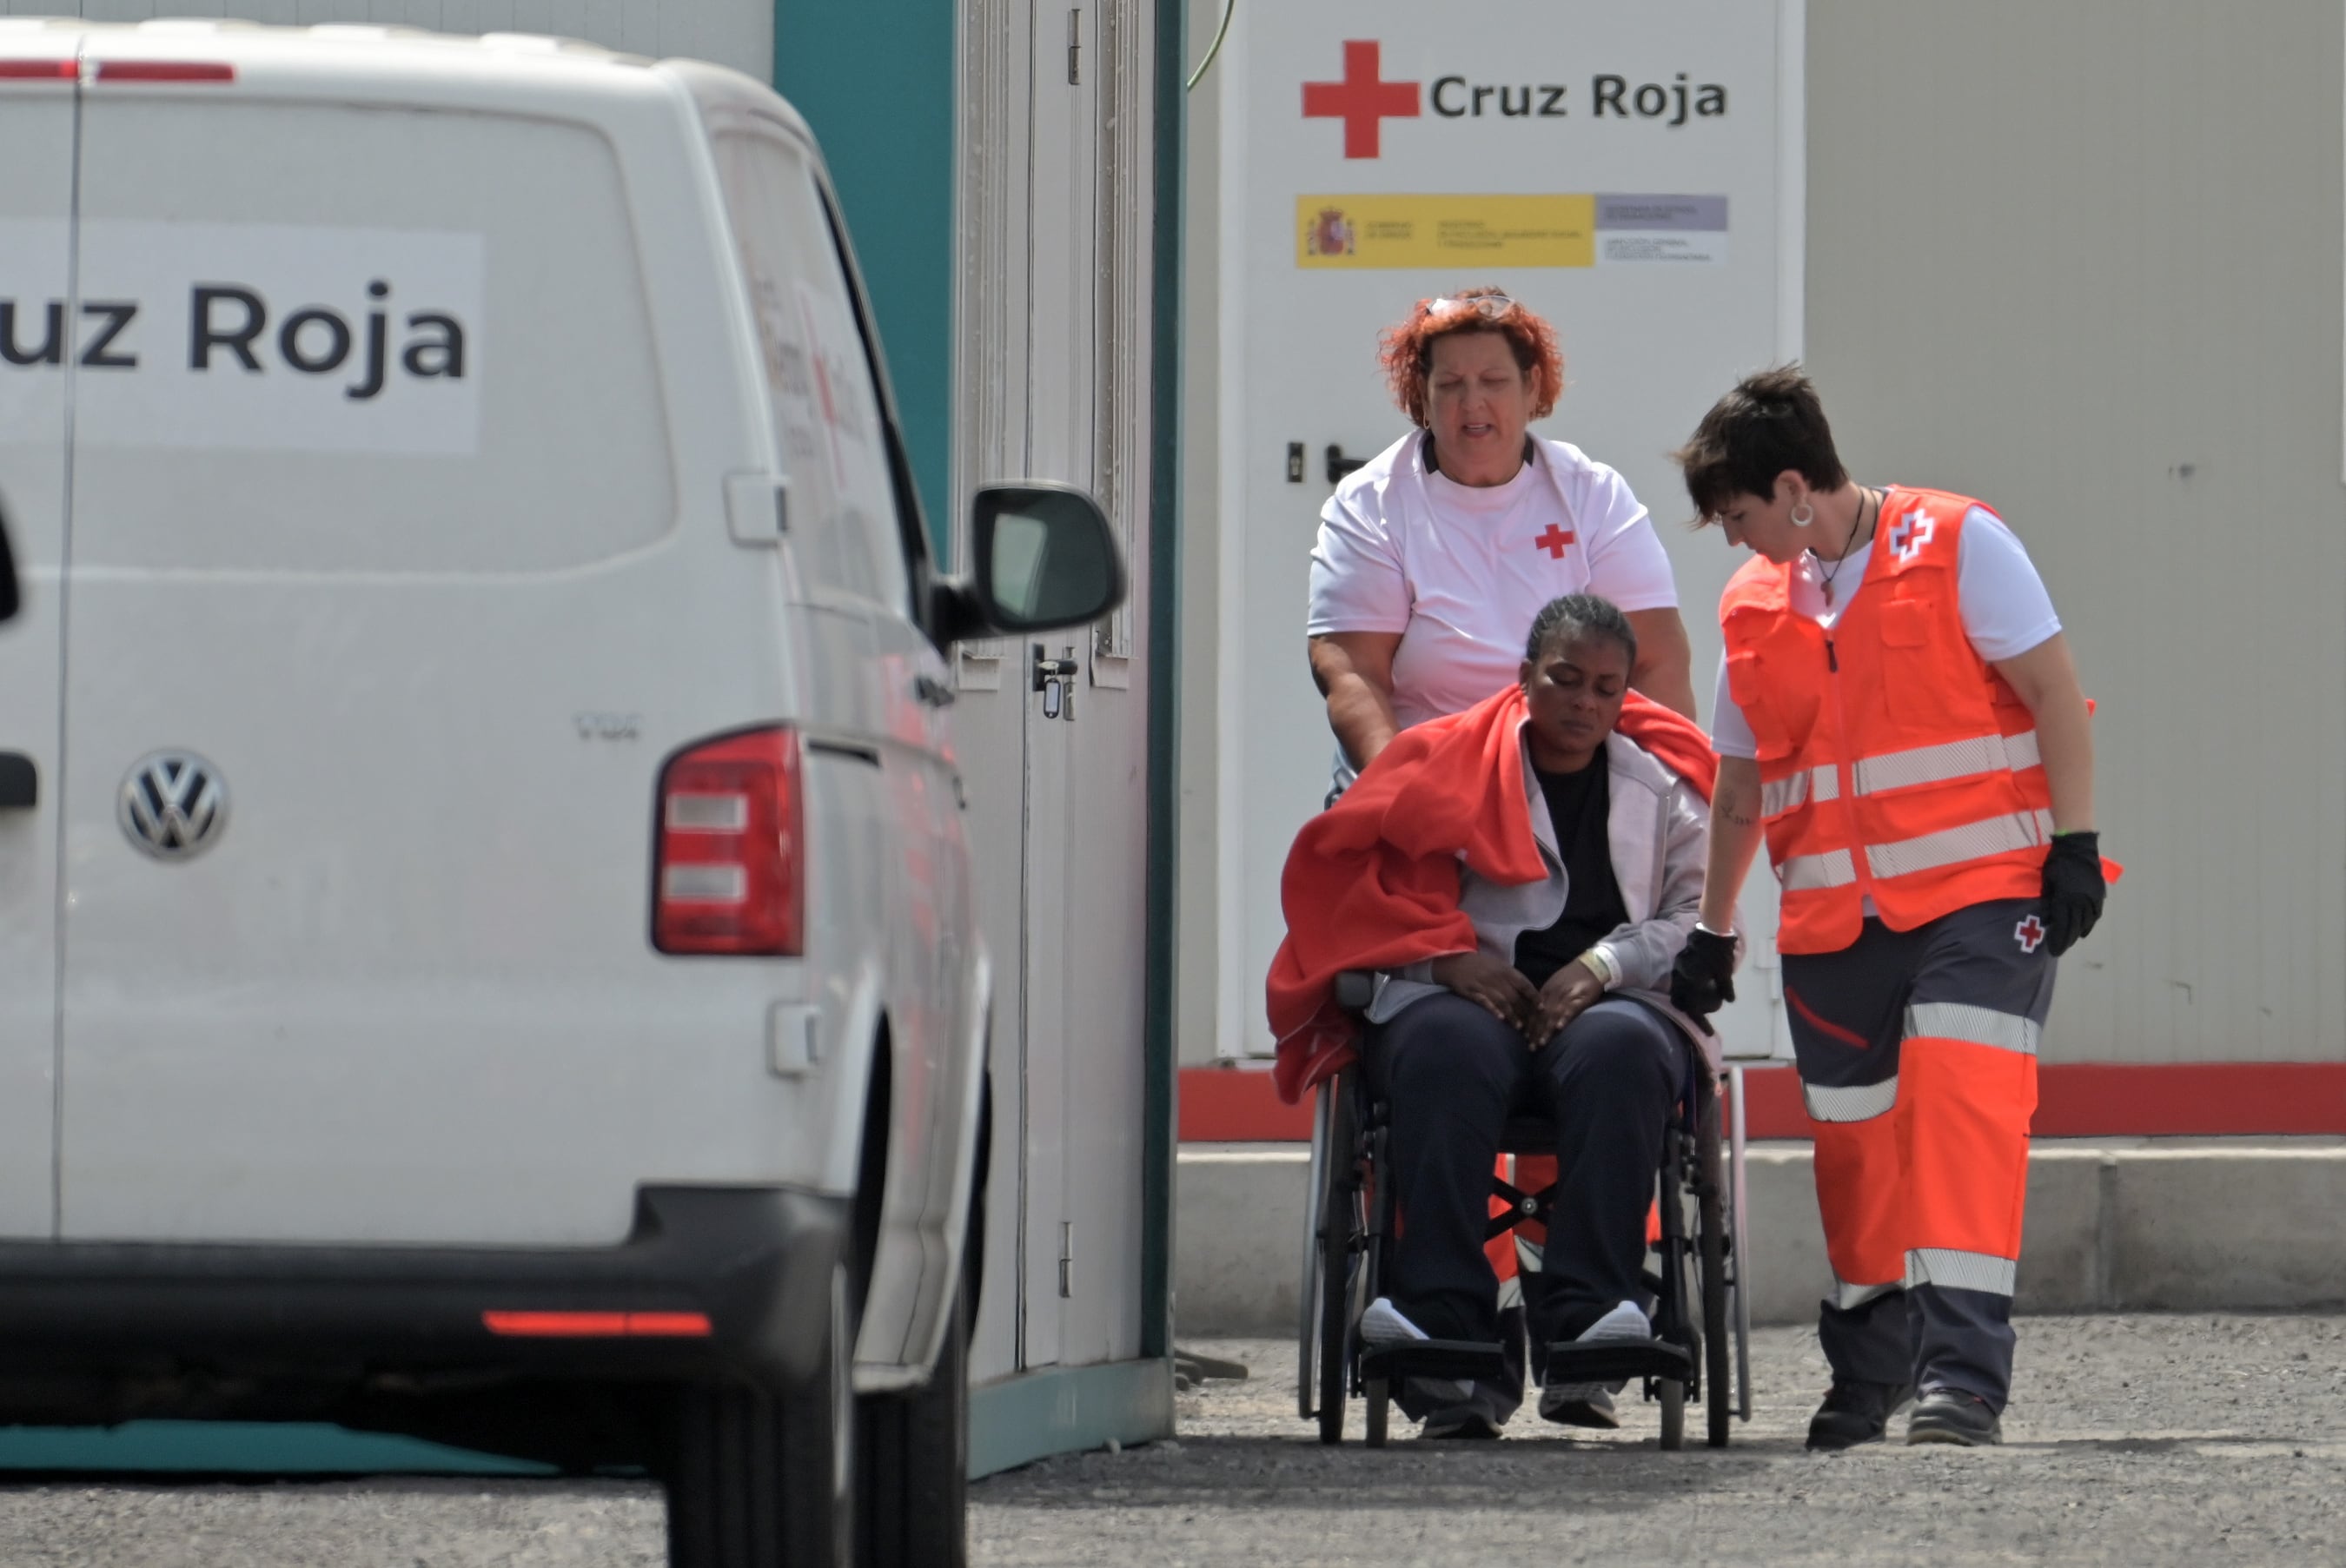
{"points": [[1521, 876]]}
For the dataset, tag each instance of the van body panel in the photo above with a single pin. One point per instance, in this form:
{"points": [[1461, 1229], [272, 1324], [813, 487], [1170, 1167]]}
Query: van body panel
{"points": [[408, 995], [855, 553], [37, 324], [401, 503]]}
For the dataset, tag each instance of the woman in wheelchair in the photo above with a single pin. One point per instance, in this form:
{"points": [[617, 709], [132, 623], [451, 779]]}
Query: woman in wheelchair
{"points": [[1559, 1008]]}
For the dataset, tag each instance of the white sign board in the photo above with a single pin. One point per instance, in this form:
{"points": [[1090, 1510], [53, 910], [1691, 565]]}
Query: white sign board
{"points": [[1630, 171]]}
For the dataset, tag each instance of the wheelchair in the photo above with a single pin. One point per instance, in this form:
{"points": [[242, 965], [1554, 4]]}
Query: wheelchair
{"points": [[1701, 1350]]}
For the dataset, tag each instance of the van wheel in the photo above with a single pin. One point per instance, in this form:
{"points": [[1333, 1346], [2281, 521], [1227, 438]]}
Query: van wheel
{"points": [[757, 1479], [915, 1476]]}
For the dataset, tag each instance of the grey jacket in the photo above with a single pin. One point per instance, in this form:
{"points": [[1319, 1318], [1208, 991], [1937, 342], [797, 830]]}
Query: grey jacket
{"points": [[1660, 833]]}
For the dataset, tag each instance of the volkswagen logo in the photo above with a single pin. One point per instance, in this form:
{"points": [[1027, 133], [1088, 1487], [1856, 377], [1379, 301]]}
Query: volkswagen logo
{"points": [[173, 805]]}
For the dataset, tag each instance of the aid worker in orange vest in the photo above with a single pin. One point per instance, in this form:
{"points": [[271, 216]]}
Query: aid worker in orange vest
{"points": [[1898, 714]]}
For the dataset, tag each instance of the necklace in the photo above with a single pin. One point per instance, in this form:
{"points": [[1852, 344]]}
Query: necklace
{"points": [[1857, 531]]}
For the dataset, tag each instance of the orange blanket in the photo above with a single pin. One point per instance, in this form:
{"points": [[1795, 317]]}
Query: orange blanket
{"points": [[1373, 881]]}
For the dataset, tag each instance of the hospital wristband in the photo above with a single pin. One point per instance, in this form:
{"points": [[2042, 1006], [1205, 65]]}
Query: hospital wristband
{"points": [[1600, 963]]}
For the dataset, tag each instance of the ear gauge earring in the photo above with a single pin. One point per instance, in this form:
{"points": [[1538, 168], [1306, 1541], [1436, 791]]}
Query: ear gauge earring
{"points": [[1804, 514]]}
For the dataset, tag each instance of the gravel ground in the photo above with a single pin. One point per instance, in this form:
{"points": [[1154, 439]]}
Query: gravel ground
{"points": [[2136, 1440]]}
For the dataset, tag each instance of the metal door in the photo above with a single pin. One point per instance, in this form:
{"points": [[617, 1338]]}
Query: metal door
{"points": [[1053, 312], [38, 337], [1061, 274]]}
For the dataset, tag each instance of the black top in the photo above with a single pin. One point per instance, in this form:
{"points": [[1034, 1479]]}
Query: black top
{"points": [[1580, 805]]}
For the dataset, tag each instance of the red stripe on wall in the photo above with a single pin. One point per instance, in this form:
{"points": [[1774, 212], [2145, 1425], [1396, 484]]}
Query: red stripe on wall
{"points": [[2074, 1100]]}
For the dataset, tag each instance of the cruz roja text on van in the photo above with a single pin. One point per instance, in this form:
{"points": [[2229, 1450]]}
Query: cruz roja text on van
{"points": [[230, 325], [1610, 98]]}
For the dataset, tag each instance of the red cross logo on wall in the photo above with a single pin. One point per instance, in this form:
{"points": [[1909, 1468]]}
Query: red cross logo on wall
{"points": [[1554, 540], [1361, 100], [2028, 934]]}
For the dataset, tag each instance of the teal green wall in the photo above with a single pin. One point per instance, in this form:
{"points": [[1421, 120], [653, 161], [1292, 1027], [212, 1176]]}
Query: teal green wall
{"points": [[875, 80]]}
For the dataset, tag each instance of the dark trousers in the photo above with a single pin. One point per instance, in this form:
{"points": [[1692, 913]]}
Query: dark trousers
{"points": [[1452, 1075]]}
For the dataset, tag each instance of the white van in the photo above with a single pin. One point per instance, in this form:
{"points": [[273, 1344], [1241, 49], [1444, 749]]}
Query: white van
{"points": [[486, 948]]}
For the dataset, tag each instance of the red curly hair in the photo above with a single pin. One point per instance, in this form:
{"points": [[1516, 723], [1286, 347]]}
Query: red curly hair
{"points": [[1406, 351]]}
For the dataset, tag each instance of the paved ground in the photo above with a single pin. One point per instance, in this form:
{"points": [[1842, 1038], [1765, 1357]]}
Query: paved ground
{"points": [[2135, 1441]]}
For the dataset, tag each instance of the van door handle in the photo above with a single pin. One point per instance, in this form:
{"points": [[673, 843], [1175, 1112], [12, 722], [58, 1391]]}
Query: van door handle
{"points": [[20, 782], [929, 689]]}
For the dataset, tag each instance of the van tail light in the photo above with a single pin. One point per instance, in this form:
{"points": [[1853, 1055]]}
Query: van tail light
{"points": [[731, 872]]}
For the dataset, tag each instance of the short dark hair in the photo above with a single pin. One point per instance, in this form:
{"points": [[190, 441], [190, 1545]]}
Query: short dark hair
{"points": [[1772, 422], [1577, 615]]}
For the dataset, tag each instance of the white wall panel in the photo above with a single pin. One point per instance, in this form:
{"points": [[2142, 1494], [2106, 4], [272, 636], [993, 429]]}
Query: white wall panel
{"points": [[2083, 261], [736, 33]]}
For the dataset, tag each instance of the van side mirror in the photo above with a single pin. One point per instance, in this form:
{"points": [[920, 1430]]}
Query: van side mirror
{"points": [[1043, 558], [7, 574]]}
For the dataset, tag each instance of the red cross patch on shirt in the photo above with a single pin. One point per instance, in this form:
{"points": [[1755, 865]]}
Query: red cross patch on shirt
{"points": [[1554, 540], [2029, 934]]}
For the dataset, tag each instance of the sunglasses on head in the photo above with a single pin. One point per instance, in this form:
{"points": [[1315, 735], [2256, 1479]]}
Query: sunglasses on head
{"points": [[1491, 307]]}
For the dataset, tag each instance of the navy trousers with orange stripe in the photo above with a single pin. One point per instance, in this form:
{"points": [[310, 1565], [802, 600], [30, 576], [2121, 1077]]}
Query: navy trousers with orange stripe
{"points": [[1917, 1056]]}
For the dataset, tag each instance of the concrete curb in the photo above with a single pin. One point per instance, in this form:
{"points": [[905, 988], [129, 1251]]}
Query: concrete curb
{"points": [[2113, 1225]]}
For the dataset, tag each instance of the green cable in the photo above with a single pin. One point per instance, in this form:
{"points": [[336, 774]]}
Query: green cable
{"points": [[1212, 49]]}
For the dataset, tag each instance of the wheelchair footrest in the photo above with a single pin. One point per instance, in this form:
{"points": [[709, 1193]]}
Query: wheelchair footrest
{"points": [[1570, 1361], [1434, 1359]]}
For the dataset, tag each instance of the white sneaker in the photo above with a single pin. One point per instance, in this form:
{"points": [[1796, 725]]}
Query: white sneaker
{"points": [[1624, 1324], [1382, 1324]]}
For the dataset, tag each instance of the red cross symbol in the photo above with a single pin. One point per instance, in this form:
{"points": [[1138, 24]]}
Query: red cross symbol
{"points": [[2028, 934], [1914, 531], [1554, 540], [1359, 100]]}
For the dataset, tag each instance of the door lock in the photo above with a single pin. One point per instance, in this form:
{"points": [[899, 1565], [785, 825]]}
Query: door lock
{"points": [[1056, 679]]}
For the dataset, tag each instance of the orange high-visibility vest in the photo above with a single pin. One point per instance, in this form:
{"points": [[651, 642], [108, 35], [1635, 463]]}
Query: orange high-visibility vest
{"points": [[1894, 763]]}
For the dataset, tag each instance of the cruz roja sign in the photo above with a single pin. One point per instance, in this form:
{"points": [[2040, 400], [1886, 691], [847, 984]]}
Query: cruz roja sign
{"points": [[1673, 103], [1364, 99], [250, 337], [1617, 165], [228, 325]]}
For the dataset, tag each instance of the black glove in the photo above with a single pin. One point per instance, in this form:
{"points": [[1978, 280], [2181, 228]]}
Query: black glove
{"points": [[2074, 889], [1704, 976]]}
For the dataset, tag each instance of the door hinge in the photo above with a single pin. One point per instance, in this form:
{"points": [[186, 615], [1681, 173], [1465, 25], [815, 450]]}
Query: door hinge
{"points": [[1074, 47], [1067, 1258]]}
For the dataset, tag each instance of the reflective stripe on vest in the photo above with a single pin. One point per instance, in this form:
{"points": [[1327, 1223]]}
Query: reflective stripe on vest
{"points": [[1976, 1025], [1806, 873], [1960, 1270], [1810, 784], [1953, 846], [1859, 1104], [1938, 764]]}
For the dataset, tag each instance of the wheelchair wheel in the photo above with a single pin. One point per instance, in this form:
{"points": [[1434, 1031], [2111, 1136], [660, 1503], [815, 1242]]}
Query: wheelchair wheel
{"points": [[1711, 1240], [1380, 1393], [1339, 1218]]}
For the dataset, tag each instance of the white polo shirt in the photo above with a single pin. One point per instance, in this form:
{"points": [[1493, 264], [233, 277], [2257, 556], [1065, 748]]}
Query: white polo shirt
{"points": [[2005, 608], [1461, 572]]}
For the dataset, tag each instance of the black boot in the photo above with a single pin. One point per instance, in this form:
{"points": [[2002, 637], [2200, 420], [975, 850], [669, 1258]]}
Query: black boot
{"points": [[1854, 1413], [1952, 1416]]}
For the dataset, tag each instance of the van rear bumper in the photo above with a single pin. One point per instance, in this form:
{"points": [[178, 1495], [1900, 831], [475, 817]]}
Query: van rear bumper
{"points": [[755, 1262]]}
